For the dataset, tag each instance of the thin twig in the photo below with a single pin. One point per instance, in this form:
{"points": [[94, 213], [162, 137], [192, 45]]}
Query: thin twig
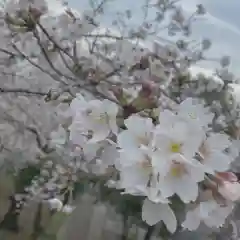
{"points": [[20, 90], [149, 233]]}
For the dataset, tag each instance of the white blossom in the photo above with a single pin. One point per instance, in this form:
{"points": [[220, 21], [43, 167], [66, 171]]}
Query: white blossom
{"points": [[96, 116], [136, 173], [86, 84], [195, 112], [230, 190], [210, 213], [213, 154], [139, 132], [176, 136], [179, 172]]}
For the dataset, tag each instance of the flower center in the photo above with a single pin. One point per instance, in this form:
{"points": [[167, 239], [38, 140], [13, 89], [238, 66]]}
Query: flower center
{"points": [[175, 147], [177, 169], [98, 117], [192, 115], [102, 117]]}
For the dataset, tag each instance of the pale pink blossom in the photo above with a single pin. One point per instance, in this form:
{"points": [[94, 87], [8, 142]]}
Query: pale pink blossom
{"points": [[230, 190]]}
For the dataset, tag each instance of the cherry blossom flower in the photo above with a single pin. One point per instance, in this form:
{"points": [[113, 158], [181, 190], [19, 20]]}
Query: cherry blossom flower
{"points": [[96, 116], [176, 136], [195, 112], [230, 190], [181, 172], [213, 154], [175, 151], [136, 173], [139, 132], [210, 213]]}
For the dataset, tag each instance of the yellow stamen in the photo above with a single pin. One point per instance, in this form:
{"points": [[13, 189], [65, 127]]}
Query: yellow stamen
{"points": [[192, 115], [177, 170], [175, 148]]}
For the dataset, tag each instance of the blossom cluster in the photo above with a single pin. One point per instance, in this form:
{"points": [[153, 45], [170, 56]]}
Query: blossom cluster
{"points": [[176, 155], [147, 148]]}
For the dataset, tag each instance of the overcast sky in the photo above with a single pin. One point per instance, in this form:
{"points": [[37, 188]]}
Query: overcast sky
{"points": [[221, 24]]}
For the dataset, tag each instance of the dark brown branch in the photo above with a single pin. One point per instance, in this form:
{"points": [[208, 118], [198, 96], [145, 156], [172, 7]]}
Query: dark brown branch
{"points": [[24, 91], [37, 66]]}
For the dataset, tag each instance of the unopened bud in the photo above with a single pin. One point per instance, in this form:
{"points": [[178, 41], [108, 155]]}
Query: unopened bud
{"points": [[147, 89], [227, 176], [230, 191]]}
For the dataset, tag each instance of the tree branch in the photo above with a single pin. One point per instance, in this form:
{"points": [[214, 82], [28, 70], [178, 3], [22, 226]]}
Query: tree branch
{"points": [[23, 91]]}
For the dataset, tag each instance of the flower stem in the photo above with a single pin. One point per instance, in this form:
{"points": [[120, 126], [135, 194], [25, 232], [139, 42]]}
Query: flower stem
{"points": [[149, 233]]}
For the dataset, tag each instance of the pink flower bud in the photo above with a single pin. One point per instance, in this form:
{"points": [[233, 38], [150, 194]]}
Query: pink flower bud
{"points": [[230, 191], [227, 176], [147, 89]]}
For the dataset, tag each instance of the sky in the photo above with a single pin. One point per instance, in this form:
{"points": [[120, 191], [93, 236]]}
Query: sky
{"points": [[221, 24]]}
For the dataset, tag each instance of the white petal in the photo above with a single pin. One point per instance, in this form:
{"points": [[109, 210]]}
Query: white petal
{"points": [[133, 157], [162, 141], [166, 188], [110, 107], [78, 104], [230, 191], [153, 213], [132, 177], [161, 163], [196, 170], [138, 125], [218, 141], [218, 217], [126, 140], [77, 134], [218, 161], [100, 133], [113, 126], [90, 150], [205, 208], [169, 218], [189, 192], [155, 197], [192, 221], [166, 117], [109, 155]]}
